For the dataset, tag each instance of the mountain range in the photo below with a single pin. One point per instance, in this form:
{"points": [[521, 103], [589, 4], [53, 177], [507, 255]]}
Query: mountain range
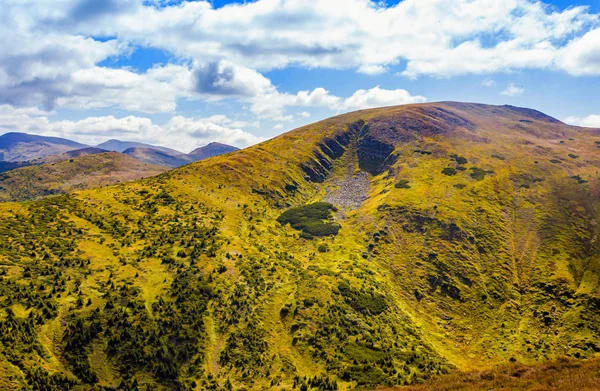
{"points": [[39, 166], [19, 149], [439, 243]]}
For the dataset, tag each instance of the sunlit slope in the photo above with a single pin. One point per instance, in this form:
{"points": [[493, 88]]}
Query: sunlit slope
{"points": [[62, 174], [468, 238]]}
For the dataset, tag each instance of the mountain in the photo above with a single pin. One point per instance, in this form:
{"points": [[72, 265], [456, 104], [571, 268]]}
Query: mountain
{"points": [[16, 147], [164, 157], [155, 156], [383, 247], [7, 166], [210, 150], [122, 146], [84, 169], [70, 155]]}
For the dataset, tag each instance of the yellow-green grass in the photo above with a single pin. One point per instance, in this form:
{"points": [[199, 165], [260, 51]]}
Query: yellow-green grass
{"points": [[523, 257]]}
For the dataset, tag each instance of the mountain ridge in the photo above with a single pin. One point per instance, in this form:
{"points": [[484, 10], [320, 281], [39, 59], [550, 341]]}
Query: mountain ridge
{"points": [[464, 239], [22, 149]]}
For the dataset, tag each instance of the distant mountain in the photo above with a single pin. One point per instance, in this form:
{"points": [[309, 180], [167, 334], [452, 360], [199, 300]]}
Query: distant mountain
{"points": [[171, 158], [7, 166], [22, 149], [210, 150], [151, 155], [122, 146], [85, 169], [15, 147]]}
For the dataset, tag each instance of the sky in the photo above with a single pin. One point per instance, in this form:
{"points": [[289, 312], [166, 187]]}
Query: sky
{"points": [[185, 73]]}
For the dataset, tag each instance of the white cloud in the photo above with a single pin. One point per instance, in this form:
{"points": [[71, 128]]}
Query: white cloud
{"points": [[304, 114], [376, 97], [156, 90], [200, 131], [48, 58], [225, 78], [278, 127], [369, 69], [513, 90], [591, 121], [582, 56], [489, 83], [272, 105]]}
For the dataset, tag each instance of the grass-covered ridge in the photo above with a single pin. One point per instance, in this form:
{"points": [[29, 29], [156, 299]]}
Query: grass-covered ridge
{"points": [[188, 281]]}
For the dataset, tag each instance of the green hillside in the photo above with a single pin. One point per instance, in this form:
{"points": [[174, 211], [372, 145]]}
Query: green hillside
{"points": [[378, 248], [64, 173]]}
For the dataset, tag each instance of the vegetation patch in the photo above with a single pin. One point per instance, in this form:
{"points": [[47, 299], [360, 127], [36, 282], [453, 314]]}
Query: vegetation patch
{"points": [[312, 219], [478, 174], [422, 152], [579, 179], [459, 159], [449, 171], [499, 157], [364, 302], [402, 184]]}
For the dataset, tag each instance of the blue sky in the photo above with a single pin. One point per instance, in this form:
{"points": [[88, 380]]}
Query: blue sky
{"points": [[182, 73]]}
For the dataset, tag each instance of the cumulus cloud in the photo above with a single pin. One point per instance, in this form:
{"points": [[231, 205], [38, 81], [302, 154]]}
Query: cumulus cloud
{"points": [[376, 97], [272, 105], [362, 34], [156, 90], [513, 90], [225, 78], [582, 56], [53, 53], [591, 121], [182, 133]]}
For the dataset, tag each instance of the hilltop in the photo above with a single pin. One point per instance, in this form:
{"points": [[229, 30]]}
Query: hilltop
{"points": [[210, 150], [381, 247], [74, 170], [154, 156], [122, 146], [15, 147]]}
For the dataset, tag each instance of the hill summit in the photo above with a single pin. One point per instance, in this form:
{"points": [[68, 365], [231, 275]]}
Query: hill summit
{"points": [[380, 247]]}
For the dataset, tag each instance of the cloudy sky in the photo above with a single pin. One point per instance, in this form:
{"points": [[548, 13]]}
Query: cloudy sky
{"points": [[185, 73]]}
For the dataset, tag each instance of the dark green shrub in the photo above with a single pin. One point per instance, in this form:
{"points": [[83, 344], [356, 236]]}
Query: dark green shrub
{"points": [[459, 159], [449, 171], [402, 184], [477, 173], [311, 219], [363, 302]]}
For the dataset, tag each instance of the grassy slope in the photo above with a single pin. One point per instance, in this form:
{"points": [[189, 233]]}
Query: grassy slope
{"points": [[501, 268], [562, 374], [57, 177]]}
